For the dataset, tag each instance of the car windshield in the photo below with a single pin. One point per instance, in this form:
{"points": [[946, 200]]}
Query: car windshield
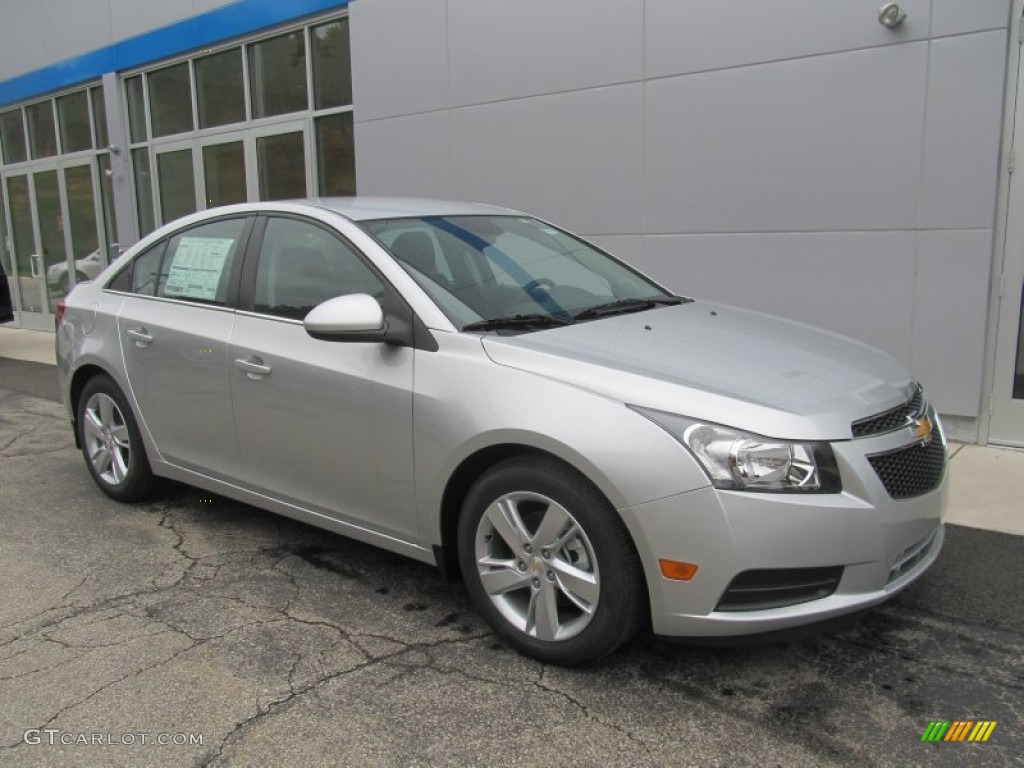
{"points": [[487, 272]]}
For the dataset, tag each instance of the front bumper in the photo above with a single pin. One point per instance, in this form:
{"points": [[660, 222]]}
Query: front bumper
{"points": [[881, 543]]}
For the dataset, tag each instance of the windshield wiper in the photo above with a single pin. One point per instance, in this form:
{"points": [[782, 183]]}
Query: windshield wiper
{"points": [[620, 306], [524, 322]]}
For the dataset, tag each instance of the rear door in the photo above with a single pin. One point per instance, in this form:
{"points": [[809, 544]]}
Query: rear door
{"points": [[174, 331], [326, 425]]}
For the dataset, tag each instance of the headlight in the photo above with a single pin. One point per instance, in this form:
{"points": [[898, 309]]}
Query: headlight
{"points": [[742, 461]]}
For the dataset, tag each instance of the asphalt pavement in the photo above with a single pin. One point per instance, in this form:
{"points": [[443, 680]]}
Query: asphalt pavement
{"points": [[242, 638]]}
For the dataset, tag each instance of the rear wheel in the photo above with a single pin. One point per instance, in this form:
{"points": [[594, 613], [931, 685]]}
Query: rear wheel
{"points": [[548, 562], [111, 442]]}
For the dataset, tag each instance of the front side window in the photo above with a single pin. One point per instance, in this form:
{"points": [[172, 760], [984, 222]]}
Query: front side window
{"points": [[197, 263], [302, 265]]}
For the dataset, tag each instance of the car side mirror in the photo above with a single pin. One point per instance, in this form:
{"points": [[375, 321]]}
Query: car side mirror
{"points": [[356, 317]]}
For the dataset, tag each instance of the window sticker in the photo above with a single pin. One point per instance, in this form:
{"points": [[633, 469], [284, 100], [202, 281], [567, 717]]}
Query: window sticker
{"points": [[197, 267]]}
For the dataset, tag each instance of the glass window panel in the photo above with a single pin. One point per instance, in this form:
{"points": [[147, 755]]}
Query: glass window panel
{"points": [[88, 261], [136, 108], [99, 117], [224, 169], [109, 218], [51, 232], [197, 266], [220, 90], [42, 133], [302, 265], [12, 137], [146, 270], [336, 155], [73, 114], [282, 166], [29, 279], [332, 70], [143, 191], [177, 184], [277, 73], [170, 100]]}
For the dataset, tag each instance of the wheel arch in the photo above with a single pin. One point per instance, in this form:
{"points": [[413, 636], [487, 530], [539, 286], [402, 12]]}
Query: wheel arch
{"points": [[82, 376]]}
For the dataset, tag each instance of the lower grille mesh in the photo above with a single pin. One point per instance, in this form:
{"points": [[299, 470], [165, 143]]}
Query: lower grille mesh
{"points": [[778, 587], [912, 471]]}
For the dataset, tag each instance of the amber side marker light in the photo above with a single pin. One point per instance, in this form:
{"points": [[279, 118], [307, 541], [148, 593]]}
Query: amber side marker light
{"points": [[677, 571]]}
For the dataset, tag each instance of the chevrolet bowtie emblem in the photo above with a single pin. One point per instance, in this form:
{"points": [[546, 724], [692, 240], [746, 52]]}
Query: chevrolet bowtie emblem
{"points": [[923, 430]]}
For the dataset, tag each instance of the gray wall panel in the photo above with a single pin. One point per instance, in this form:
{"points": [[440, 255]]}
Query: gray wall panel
{"points": [[574, 158], [502, 49], [949, 317], [74, 28], [399, 57], [684, 37], [831, 142], [952, 17], [133, 17], [857, 283], [404, 156], [961, 143], [21, 52]]}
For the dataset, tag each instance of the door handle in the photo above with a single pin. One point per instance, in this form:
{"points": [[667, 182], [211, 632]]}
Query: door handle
{"points": [[140, 336], [253, 367], [35, 263]]}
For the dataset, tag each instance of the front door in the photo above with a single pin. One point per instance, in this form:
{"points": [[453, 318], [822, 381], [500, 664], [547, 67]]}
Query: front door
{"points": [[326, 425]]}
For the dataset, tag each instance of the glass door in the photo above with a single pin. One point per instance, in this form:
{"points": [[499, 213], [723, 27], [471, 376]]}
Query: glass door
{"points": [[27, 272], [176, 174], [225, 179], [83, 230]]}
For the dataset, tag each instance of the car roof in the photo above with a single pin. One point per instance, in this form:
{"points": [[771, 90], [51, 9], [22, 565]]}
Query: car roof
{"points": [[363, 208]]}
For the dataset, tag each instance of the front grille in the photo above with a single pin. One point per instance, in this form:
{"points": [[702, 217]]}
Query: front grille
{"points": [[779, 587], [911, 471], [891, 420]]}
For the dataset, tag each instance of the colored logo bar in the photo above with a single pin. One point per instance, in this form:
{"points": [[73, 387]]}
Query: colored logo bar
{"points": [[958, 730]]}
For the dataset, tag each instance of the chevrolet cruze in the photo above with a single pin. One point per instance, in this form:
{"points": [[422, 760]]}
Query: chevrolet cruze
{"points": [[481, 390]]}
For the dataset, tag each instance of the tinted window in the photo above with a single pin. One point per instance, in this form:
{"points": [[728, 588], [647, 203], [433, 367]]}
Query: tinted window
{"points": [[197, 266], [277, 75], [302, 265], [220, 92], [170, 100], [144, 271]]}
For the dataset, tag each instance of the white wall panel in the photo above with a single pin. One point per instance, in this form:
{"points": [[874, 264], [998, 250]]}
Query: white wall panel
{"points": [[832, 142], [21, 52], [961, 140], [399, 57], [502, 50], [574, 157], [688, 37], [133, 17], [74, 28], [404, 156], [949, 317], [952, 17], [857, 283]]}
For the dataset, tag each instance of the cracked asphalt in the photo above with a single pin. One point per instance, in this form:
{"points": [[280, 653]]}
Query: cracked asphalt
{"points": [[282, 644]]}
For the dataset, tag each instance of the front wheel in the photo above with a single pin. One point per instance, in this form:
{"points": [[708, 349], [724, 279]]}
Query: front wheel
{"points": [[111, 443], [549, 563]]}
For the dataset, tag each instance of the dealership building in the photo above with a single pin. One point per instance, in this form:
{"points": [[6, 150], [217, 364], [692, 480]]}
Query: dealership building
{"points": [[841, 164]]}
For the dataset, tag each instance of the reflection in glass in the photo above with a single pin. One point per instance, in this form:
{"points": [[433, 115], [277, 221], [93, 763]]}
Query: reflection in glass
{"points": [[282, 166], [136, 108], [73, 114], [99, 117], [27, 265], [51, 229], [224, 168], [107, 198], [220, 91], [336, 155], [277, 73], [143, 191], [177, 184], [170, 100], [332, 70], [12, 137], [88, 261], [42, 133]]}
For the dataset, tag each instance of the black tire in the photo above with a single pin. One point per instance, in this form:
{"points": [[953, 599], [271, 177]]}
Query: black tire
{"points": [[128, 477], [604, 552]]}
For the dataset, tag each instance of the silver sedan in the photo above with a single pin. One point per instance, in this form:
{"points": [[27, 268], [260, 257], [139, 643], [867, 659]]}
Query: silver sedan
{"points": [[481, 390]]}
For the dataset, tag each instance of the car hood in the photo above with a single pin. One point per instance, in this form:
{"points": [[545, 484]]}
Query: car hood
{"points": [[717, 363]]}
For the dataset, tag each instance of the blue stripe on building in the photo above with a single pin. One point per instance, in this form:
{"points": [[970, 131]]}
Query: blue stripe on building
{"points": [[239, 18]]}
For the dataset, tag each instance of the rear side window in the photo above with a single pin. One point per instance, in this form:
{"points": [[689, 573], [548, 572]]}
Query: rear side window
{"points": [[197, 263], [145, 269], [302, 265]]}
